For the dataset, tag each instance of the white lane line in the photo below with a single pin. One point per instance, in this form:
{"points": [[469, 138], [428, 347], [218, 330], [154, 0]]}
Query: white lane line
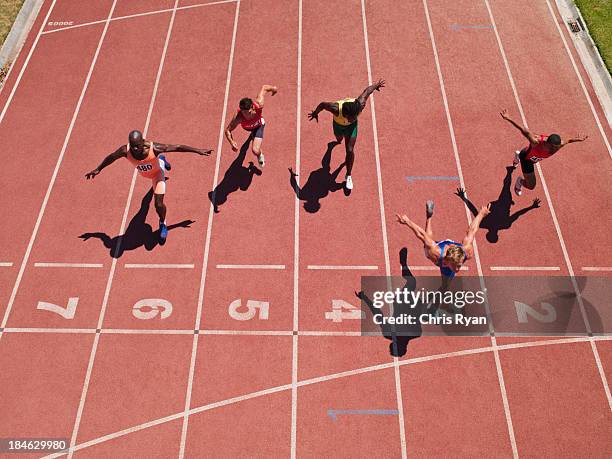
{"points": [[296, 242], [553, 214], [330, 377], [500, 374], [158, 266], [597, 268], [25, 64], [525, 268], [60, 158], [247, 332], [49, 330], [582, 85], [194, 350], [115, 331], [250, 266], [347, 267], [148, 13], [6, 264], [383, 223], [432, 268], [68, 265], [111, 274]]}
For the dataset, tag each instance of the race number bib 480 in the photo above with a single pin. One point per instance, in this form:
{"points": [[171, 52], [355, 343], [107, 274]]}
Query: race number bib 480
{"points": [[144, 167]]}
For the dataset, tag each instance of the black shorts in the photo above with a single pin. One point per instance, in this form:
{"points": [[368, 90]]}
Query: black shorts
{"points": [[258, 133], [526, 164]]}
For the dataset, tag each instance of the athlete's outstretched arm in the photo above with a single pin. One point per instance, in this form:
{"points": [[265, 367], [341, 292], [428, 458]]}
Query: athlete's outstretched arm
{"points": [[528, 135], [121, 152], [367, 92], [429, 243], [331, 107], [580, 138], [473, 229], [266, 88], [165, 148], [228, 132]]}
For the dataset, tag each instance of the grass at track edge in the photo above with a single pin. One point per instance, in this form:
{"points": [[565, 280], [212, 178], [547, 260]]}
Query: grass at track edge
{"points": [[598, 17]]}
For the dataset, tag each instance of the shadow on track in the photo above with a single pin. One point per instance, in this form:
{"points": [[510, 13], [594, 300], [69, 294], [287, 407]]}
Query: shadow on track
{"points": [[499, 218], [137, 234], [399, 335], [320, 182], [236, 177]]}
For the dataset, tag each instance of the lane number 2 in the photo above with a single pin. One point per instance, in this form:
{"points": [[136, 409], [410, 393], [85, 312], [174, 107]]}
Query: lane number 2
{"points": [[523, 310]]}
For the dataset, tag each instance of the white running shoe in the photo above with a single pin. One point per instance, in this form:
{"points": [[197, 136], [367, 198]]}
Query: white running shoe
{"points": [[349, 182], [518, 185], [517, 159], [262, 161], [429, 208]]}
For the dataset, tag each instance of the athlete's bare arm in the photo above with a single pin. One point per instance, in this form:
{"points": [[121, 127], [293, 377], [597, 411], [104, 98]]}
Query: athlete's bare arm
{"points": [[533, 139], [433, 252], [159, 148], [331, 107], [234, 123], [363, 98], [580, 138], [266, 88], [473, 229], [121, 152]]}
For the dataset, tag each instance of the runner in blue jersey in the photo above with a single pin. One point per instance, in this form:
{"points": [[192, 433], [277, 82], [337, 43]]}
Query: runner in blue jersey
{"points": [[447, 254]]}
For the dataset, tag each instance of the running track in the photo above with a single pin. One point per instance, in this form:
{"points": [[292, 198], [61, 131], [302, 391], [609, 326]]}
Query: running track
{"points": [[116, 385]]}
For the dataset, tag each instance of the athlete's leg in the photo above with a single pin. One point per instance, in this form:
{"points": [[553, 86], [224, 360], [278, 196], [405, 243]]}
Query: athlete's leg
{"points": [[159, 190], [256, 148], [350, 153], [528, 179], [429, 207]]}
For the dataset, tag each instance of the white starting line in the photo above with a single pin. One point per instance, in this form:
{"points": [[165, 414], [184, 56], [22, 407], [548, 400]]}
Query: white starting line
{"points": [[597, 268], [68, 265], [5, 264], [525, 268], [250, 266], [356, 267], [158, 266]]}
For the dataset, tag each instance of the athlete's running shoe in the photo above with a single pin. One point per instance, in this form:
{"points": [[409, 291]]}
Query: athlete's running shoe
{"points": [[163, 232], [518, 185], [166, 163], [517, 159], [349, 182], [429, 207], [262, 161]]}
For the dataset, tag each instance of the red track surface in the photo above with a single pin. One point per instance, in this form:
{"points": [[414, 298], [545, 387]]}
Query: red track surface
{"points": [[263, 387]]}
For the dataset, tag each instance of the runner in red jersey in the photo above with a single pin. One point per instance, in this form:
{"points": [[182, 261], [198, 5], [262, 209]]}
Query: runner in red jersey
{"points": [[249, 116], [540, 147]]}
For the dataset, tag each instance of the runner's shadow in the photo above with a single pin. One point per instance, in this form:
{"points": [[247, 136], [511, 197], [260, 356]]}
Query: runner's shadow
{"points": [[320, 182], [237, 177], [500, 217], [137, 234], [399, 335]]}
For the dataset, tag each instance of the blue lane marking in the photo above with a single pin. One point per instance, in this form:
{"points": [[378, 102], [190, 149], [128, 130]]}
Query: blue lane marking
{"points": [[334, 413], [457, 27], [413, 178]]}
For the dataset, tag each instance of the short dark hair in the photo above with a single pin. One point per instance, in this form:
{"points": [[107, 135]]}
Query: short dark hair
{"points": [[246, 103], [351, 109], [554, 139]]}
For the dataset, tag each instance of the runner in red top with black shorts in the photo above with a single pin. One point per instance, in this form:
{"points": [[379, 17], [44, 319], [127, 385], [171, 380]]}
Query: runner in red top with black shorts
{"points": [[249, 116], [540, 147]]}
